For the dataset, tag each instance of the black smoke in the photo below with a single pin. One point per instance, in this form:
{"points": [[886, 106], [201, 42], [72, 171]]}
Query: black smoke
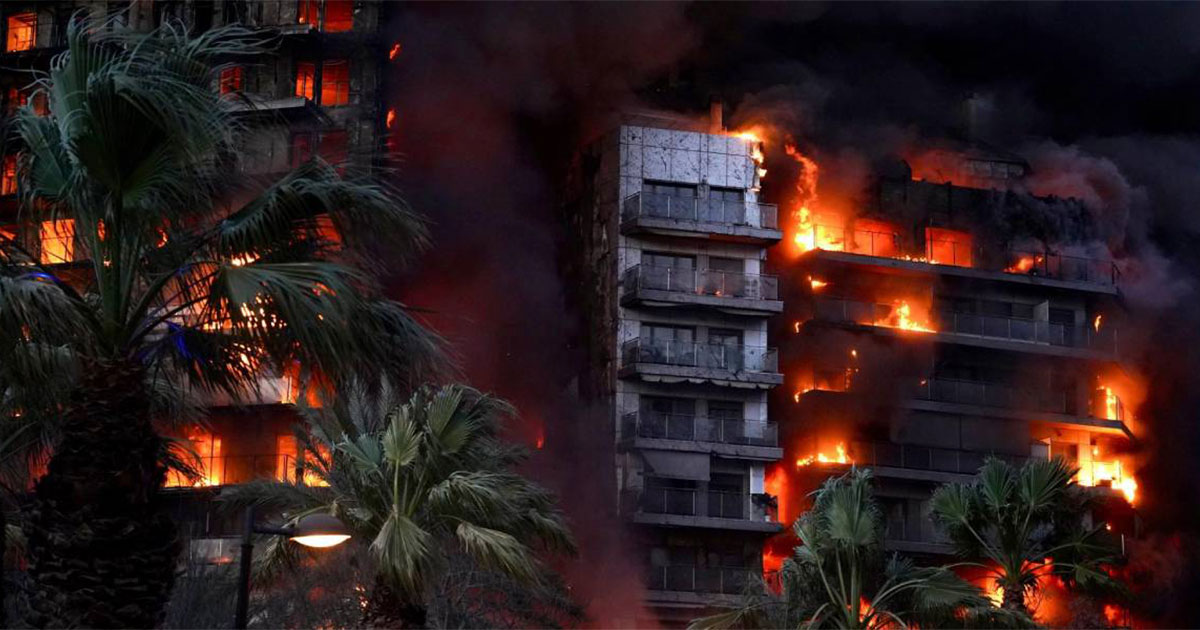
{"points": [[493, 99]]}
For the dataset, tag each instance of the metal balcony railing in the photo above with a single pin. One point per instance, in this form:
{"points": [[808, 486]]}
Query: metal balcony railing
{"points": [[692, 579], [989, 326], [701, 211], [223, 470], [690, 502], [991, 395], [923, 458], [1028, 330], [852, 241], [686, 427], [1060, 267], [732, 358], [728, 284]]}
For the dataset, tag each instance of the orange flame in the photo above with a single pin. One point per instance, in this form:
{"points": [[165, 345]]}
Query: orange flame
{"points": [[391, 118], [1096, 322], [1025, 264], [1111, 474], [394, 52], [816, 284], [901, 317], [822, 458]]}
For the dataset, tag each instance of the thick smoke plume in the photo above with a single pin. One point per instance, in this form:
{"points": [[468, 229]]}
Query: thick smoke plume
{"points": [[492, 100]]}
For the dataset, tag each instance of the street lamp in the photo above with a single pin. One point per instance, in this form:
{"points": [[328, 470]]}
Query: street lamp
{"points": [[319, 531]]}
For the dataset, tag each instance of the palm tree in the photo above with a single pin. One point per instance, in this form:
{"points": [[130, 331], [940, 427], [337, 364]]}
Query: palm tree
{"points": [[840, 577], [1021, 525], [197, 279], [420, 480]]}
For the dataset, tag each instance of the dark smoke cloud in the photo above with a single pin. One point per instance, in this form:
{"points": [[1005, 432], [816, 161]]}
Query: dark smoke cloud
{"points": [[492, 100]]}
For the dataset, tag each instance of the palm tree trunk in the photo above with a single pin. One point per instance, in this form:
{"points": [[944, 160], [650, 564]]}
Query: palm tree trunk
{"points": [[102, 552], [1014, 599], [388, 607]]}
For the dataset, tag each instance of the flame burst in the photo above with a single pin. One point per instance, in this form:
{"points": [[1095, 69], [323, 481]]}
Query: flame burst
{"points": [[394, 51], [822, 458], [901, 317], [391, 118], [1096, 322], [1025, 264], [817, 284]]}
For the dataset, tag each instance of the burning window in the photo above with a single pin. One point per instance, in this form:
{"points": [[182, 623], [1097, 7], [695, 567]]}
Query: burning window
{"points": [[306, 78], [288, 464], [309, 12], [8, 176], [335, 83], [57, 239], [339, 16], [232, 80], [947, 247], [22, 31], [207, 448]]}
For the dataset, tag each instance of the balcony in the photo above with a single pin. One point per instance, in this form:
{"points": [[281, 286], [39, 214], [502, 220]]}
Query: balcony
{"points": [[719, 219], [224, 470], [1065, 268], [724, 290], [711, 509], [980, 330], [693, 579], [986, 394], [921, 462], [751, 439], [659, 360]]}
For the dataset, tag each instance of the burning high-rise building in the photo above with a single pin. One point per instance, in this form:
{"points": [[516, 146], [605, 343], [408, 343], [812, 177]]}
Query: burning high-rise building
{"points": [[672, 240], [317, 92]]}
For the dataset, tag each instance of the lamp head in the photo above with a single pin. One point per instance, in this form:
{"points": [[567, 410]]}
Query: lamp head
{"points": [[320, 531]]}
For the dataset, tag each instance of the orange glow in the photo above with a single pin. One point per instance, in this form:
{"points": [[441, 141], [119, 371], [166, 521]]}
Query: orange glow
{"points": [[839, 457], [22, 32], [902, 317], [1096, 322], [208, 448], [948, 247], [232, 80], [1025, 264], [1111, 408], [8, 176], [541, 441], [335, 82], [391, 118], [754, 138], [306, 78], [321, 541], [339, 16], [286, 460], [816, 284], [776, 485], [58, 241], [1111, 474], [394, 51]]}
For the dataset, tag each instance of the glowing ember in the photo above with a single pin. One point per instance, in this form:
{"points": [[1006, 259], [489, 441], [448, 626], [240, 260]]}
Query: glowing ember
{"points": [[1096, 322], [816, 284], [901, 317], [394, 52], [391, 118], [822, 458], [796, 326]]}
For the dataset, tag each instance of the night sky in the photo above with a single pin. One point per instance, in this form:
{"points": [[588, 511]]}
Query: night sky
{"points": [[1101, 98]]}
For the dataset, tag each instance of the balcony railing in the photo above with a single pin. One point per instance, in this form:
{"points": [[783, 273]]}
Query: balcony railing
{"points": [[923, 458], [689, 502], [732, 358], [223, 470], [692, 579], [685, 427], [1059, 267], [989, 326], [701, 211], [728, 284], [1028, 330], [991, 395]]}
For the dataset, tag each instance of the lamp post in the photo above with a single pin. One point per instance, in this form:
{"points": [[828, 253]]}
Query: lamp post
{"points": [[319, 531]]}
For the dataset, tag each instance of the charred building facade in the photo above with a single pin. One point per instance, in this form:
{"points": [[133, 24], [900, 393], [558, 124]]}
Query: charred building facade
{"points": [[924, 337], [317, 91], [672, 240]]}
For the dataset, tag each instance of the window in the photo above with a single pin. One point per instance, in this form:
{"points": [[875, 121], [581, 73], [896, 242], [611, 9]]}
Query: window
{"points": [[58, 241], [301, 149], [668, 334], [667, 261], [287, 462], [14, 98], [335, 83], [339, 16], [207, 447], [8, 178], [22, 31], [728, 265], [673, 190], [306, 78], [232, 80], [725, 410], [309, 12]]}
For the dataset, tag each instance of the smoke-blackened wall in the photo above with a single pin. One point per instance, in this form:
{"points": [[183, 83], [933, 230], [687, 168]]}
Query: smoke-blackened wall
{"points": [[492, 100]]}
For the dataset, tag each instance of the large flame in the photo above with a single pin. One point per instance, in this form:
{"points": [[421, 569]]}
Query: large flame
{"points": [[1109, 473], [902, 317], [839, 457]]}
